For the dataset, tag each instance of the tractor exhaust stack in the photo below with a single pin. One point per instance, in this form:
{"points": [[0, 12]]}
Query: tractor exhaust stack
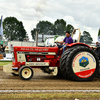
{"points": [[36, 38]]}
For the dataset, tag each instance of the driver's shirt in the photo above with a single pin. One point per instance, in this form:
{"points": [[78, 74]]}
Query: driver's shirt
{"points": [[68, 40]]}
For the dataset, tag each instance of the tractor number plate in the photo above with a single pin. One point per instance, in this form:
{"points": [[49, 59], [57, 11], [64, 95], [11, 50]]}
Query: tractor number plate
{"points": [[37, 64]]}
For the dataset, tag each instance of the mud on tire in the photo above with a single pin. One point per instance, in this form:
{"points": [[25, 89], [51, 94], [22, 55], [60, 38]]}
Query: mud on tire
{"points": [[15, 74], [79, 63]]}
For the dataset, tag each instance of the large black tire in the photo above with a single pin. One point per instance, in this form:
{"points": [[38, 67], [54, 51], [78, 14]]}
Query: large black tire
{"points": [[79, 63], [26, 73], [59, 74]]}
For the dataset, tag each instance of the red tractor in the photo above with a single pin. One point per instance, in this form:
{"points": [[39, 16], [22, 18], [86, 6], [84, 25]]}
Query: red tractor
{"points": [[78, 63]]}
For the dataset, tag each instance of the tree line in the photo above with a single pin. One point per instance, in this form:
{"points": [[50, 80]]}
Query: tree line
{"points": [[13, 29]]}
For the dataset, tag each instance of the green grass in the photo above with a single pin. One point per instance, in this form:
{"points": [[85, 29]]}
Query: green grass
{"points": [[2, 63], [50, 96]]}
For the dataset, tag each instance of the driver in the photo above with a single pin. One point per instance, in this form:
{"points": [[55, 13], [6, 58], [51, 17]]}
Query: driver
{"points": [[67, 40]]}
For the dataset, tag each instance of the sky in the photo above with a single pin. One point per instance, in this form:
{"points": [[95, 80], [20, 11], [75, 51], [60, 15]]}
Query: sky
{"points": [[83, 14]]}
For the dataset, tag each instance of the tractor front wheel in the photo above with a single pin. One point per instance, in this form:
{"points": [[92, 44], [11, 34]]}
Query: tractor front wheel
{"points": [[26, 72]]}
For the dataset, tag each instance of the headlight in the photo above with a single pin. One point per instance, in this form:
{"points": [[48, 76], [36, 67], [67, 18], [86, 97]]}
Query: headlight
{"points": [[38, 59]]}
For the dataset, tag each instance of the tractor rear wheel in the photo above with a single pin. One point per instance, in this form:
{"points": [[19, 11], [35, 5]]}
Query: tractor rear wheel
{"points": [[79, 63], [59, 74], [26, 72]]}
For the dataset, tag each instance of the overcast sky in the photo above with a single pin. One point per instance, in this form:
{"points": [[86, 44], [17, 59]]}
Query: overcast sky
{"points": [[83, 14]]}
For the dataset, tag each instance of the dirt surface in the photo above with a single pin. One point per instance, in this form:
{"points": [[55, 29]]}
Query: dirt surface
{"points": [[43, 81]]}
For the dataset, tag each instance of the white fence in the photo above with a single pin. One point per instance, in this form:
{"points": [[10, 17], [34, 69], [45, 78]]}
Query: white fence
{"points": [[29, 44]]}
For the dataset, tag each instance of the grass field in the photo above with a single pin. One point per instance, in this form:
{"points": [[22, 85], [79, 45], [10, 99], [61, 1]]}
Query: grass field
{"points": [[50, 96], [2, 63]]}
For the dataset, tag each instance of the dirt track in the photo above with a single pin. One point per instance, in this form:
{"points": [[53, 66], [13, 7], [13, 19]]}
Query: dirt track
{"points": [[41, 81]]}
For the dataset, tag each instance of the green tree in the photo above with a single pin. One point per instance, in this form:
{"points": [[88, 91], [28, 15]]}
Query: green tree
{"points": [[86, 37], [13, 29], [70, 28], [59, 27], [44, 27], [33, 33], [99, 32], [81, 39]]}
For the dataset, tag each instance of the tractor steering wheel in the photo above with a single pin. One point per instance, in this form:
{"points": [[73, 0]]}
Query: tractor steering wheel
{"points": [[57, 43]]}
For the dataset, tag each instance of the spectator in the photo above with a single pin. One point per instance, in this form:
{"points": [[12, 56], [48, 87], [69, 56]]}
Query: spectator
{"points": [[98, 49], [2, 48]]}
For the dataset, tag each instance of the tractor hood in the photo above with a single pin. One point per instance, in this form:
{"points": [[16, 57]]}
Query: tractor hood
{"points": [[35, 49]]}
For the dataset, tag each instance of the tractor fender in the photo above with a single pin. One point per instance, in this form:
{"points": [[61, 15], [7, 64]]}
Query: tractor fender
{"points": [[78, 44]]}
